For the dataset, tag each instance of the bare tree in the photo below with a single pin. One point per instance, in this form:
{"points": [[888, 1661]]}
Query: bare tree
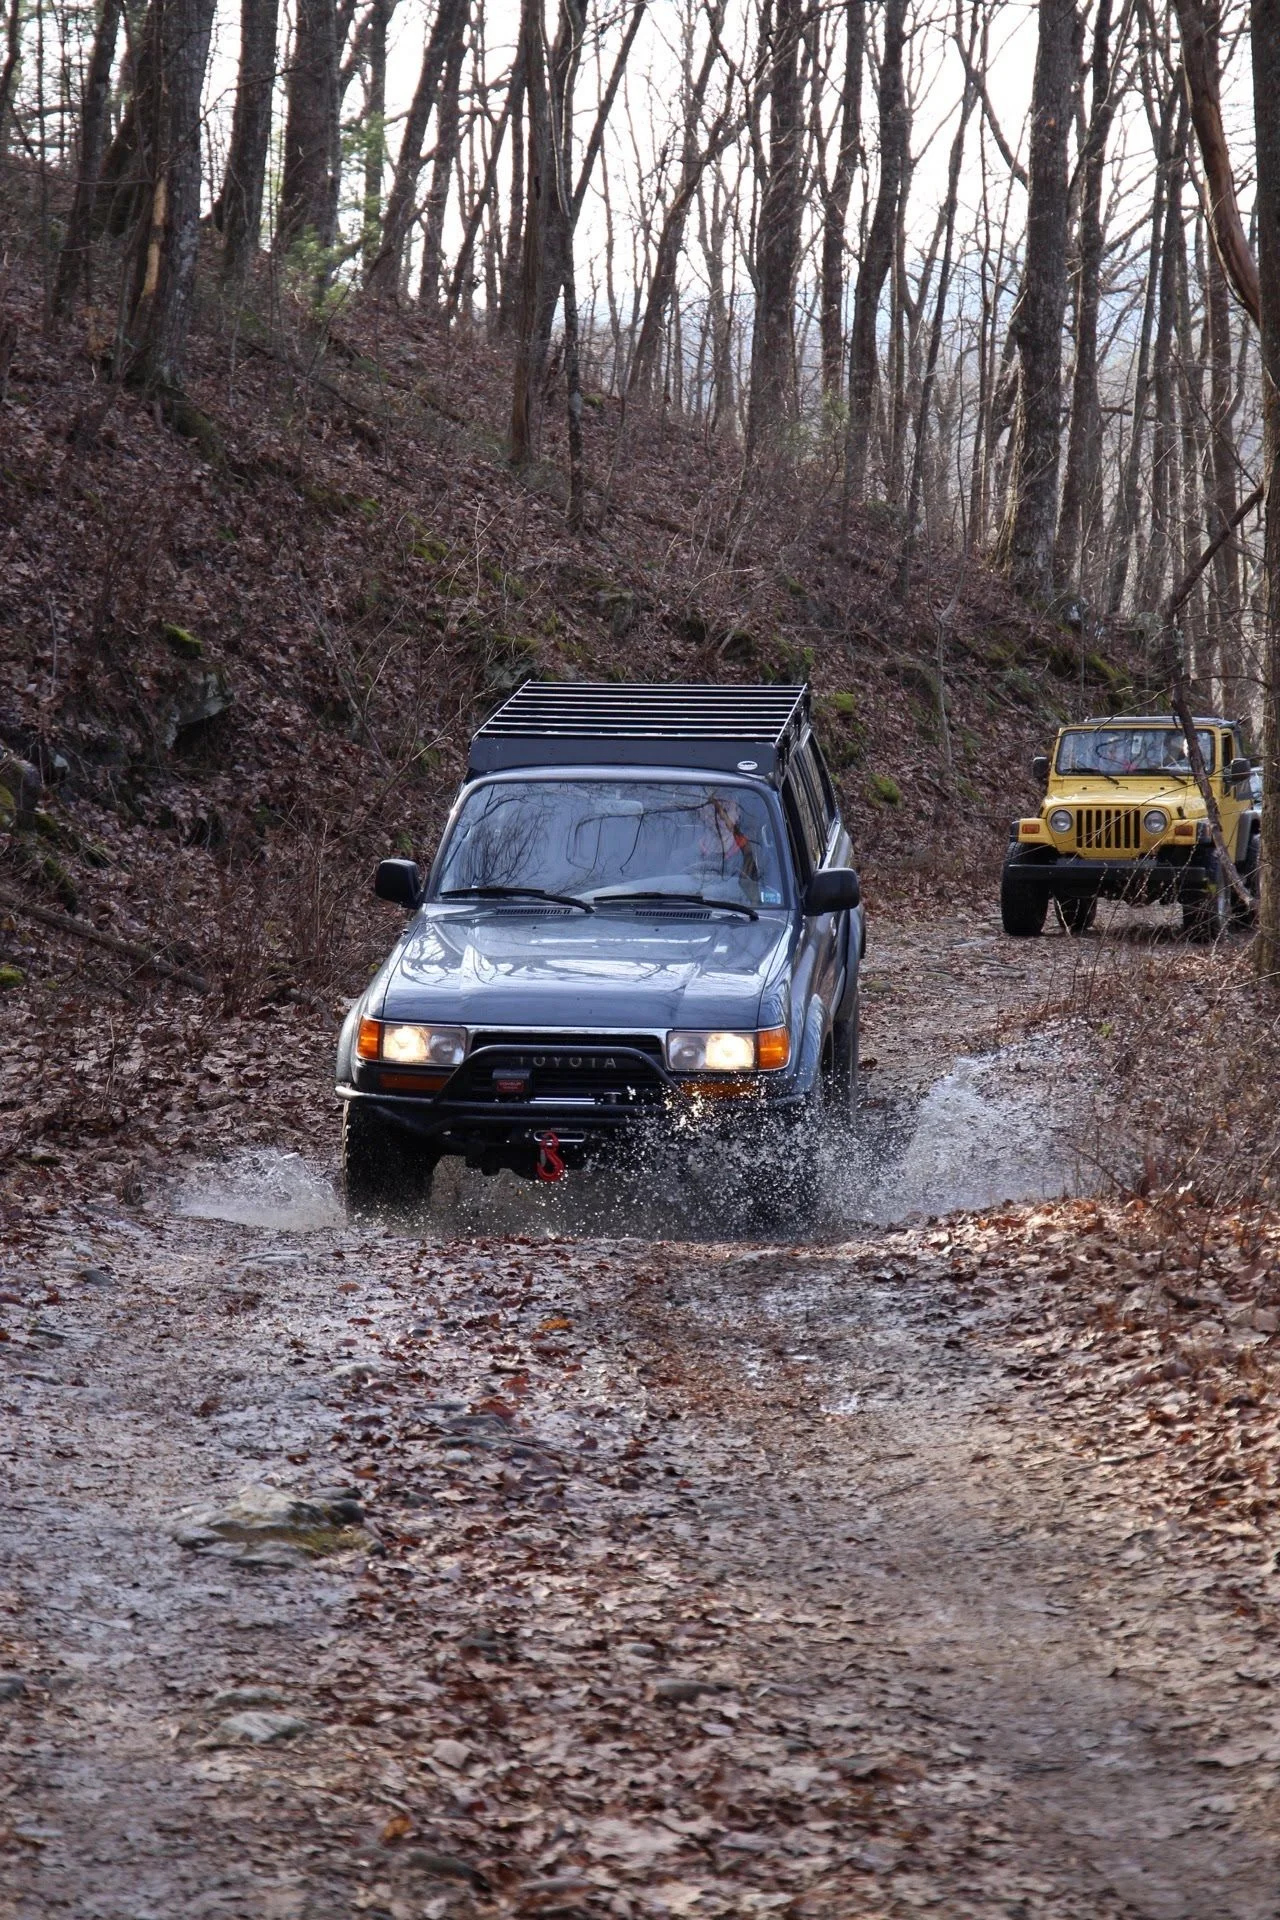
{"points": [[165, 254], [878, 253], [309, 186], [1032, 508], [239, 207], [74, 260]]}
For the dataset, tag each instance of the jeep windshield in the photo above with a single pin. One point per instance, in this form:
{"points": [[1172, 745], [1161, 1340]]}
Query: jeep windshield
{"points": [[1113, 751], [632, 839]]}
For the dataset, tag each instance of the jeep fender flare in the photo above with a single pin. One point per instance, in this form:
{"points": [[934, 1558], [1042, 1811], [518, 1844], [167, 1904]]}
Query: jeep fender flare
{"points": [[1250, 824]]}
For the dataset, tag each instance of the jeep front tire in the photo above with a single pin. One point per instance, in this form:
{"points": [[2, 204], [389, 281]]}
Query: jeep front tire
{"points": [[1022, 912]]}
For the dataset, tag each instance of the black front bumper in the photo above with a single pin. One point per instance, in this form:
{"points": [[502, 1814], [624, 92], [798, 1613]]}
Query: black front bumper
{"points": [[596, 1116], [1145, 881]]}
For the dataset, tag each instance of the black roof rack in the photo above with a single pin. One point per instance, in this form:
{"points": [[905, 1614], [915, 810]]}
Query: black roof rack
{"points": [[1149, 719], [574, 723]]}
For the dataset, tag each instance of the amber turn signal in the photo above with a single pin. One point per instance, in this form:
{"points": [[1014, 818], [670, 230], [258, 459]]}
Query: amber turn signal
{"points": [[773, 1047], [1185, 830], [369, 1040], [1028, 829], [710, 1089]]}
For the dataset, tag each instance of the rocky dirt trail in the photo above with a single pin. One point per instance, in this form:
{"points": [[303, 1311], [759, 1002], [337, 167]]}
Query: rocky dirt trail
{"points": [[560, 1562]]}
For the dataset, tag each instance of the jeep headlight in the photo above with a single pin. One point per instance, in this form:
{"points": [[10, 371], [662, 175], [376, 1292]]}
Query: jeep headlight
{"points": [[1155, 822], [410, 1045], [1060, 820], [728, 1052]]}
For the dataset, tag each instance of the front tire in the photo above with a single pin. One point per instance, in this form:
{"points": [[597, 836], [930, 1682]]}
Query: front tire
{"points": [[1022, 914], [384, 1169], [844, 1066], [1206, 917], [1249, 873], [1076, 916]]}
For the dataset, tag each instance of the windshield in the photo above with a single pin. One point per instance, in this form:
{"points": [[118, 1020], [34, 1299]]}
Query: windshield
{"points": [[583, 837], [1117, 750]]}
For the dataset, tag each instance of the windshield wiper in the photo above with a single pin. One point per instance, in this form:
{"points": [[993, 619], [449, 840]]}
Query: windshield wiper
{"points": [[516, 893], [677, 899]]}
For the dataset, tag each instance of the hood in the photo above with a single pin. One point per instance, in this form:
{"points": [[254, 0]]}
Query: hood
{"points": [[487, 966], [1181, 798]]}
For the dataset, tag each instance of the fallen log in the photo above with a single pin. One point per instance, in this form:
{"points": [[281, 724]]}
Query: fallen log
{"points": [[127, 950]]}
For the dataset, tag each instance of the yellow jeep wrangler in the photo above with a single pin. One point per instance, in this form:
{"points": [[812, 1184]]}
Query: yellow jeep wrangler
{"points": [[1123, 819]]}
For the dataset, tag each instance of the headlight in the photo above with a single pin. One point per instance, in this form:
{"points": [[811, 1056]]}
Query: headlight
{"points": [[412, 1046], [1155, 821], [729, 1052], [1060, 820]]}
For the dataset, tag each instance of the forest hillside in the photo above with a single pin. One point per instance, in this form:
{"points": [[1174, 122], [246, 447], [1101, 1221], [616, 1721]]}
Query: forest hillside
{"points": [[244, 659]]}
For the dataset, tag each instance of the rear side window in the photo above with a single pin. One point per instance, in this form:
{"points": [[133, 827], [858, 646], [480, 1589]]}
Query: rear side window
{"points": [[820, 782], [804, 814]]}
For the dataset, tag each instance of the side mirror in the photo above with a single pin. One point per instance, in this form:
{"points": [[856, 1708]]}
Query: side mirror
{"points": [[1240, 769], [1040, 767], [833, 891], [400, 882]]}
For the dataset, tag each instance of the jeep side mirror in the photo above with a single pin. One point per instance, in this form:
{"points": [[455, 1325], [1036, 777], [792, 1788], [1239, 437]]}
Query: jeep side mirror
{"points": [[1040, 767], [1240, 769], [833, 891], [400, 882]]}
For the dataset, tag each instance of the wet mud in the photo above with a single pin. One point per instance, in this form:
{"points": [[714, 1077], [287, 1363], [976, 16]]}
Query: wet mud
{"points": [[656, 1571]]}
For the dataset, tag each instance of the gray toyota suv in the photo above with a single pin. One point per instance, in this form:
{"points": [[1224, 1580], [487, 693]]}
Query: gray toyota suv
{"points": [[641, 922]]}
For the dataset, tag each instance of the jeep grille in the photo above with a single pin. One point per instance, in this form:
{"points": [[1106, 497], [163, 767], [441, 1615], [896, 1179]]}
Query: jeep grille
{"points": [[1108, 829]]}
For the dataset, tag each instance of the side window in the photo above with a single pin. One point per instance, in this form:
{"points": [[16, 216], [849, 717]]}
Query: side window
{"points": [[809, 787], [828, 792], [801, 807]]}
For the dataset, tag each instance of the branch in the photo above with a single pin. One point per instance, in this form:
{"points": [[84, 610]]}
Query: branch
{"points": [[1200, 64], [979, 86], [79, 930]]}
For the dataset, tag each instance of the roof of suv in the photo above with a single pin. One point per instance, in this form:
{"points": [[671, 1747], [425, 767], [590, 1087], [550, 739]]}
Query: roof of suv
{"points": [[740, 729]]}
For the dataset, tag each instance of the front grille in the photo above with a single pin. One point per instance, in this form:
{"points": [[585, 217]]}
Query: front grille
{"points": [[595, 1071], [1108, 829], [649, 1043]]}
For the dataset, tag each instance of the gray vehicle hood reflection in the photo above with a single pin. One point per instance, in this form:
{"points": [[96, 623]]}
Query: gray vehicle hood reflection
{"points": [[616, 969]]}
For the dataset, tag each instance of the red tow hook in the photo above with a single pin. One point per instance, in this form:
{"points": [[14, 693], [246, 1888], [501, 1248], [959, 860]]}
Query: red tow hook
{"points": [[550, 1165]]}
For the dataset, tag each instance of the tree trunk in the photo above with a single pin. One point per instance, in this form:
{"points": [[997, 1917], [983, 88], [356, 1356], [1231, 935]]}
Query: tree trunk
{"points": [[694, 158], [1032, 507], [513, 259], [1162, 436], [309, 188], [239, 207], [450, 20], [916, 481], [772, 405], [9, 71], [74, 260], [1128, 492], [168, 239], [375, 132], [1198, 24], [1222, 484], [835, 201], [448, 133], [1265, 18], [539, 187], [1079, 520], [878, 255]]}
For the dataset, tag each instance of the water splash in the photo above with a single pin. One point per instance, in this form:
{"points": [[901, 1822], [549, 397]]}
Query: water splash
{"points": [[262, 1187]]}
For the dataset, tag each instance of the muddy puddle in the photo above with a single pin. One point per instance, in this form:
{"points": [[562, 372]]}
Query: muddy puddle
{"points": [[1005, 1126]]}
